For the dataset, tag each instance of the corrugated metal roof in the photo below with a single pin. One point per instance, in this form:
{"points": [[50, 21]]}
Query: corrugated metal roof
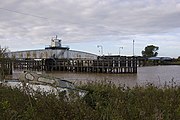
{"points": [[160, 58]]}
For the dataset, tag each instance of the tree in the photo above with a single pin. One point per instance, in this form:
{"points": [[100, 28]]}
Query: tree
{"points": [[3, 67], [3, 52], [150, 51]]}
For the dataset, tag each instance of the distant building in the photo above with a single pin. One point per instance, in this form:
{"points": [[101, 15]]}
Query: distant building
{"points": [[55, 50], [160, 58]]}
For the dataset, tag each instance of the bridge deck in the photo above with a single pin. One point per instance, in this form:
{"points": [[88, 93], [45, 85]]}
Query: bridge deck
{"points": [[103, 64]]}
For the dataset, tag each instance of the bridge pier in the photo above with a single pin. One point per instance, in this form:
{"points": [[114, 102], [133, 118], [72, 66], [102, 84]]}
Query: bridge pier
{"points": [[104, 64]]}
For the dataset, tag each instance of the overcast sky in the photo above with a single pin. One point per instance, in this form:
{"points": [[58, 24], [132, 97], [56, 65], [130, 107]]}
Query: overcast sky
{"points": [[84, 24]]}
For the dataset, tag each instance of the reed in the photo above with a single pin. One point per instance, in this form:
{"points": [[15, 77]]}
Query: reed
{"points": [[104, 101]]}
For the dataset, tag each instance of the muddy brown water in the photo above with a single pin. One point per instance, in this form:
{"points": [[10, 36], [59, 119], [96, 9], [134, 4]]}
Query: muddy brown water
{"points": [[157, 75]]}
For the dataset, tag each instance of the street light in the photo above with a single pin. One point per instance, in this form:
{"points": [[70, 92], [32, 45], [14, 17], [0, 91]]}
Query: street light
{"points": [[100, 46], [133, 47], [120, 50]]}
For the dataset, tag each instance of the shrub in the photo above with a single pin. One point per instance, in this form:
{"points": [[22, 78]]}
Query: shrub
{"points": [[104, 101]]}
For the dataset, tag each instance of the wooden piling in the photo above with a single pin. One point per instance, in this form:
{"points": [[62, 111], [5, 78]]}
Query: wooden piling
{"points": [[5, 67], [104, 64]]}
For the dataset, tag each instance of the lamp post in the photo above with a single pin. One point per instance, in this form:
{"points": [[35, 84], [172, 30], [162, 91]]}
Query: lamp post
{"points": [[133, 47], [120, 50], [100, 46]]}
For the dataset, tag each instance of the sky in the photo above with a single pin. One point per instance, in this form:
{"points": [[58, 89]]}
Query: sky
{"points": [[85, 24]]}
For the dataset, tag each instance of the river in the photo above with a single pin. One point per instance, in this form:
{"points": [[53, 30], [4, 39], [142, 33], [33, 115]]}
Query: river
{"points": [[157, 75]]}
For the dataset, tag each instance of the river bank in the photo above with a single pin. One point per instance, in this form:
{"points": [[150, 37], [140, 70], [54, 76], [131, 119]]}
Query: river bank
{"points": [[103, 102]]}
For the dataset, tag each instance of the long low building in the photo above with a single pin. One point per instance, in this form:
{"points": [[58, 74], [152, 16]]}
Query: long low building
{"points": [[48, 53], [55, 50]]}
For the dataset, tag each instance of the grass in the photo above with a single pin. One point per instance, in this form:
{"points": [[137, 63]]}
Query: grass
{"points": [[104, 101]]}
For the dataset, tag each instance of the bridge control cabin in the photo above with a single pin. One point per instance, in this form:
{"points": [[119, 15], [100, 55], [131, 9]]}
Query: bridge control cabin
{"points": [[56, 44]]}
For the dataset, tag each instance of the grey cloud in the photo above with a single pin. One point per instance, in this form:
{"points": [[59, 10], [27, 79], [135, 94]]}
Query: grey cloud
{"points": [[86, 20]]}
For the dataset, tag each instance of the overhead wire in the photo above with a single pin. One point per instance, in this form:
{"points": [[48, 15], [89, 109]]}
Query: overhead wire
{"points": [[50, 20], [27, 14]]}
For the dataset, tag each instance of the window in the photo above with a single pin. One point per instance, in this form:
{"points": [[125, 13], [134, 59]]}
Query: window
{"points": [[29, 76]]}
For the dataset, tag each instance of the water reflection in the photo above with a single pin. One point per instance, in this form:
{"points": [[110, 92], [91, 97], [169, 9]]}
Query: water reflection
{"points": [[158, 75], [123, 79]]}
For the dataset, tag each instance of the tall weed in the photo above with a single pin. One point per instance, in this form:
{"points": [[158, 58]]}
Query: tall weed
{"points": [[104, 101]]}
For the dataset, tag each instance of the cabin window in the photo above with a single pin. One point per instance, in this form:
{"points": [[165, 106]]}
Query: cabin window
{"points": [[29, 76]]}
